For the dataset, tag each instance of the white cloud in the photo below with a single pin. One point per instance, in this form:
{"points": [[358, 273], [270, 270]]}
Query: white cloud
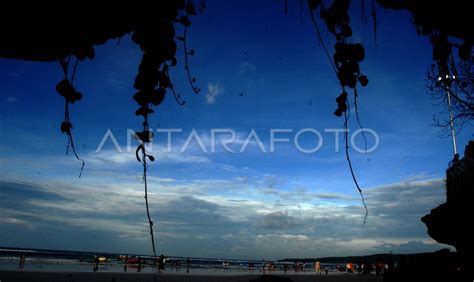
{"points": [[213, 90], [279, 221], [107, 157], [414, 246], [203, 212], [334, 196], [13, 220], [284, 237]]}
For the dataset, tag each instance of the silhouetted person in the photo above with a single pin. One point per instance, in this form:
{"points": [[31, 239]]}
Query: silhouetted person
{"points": [[161, 264], [96, 263], [22, 262], [188, 262], [139, 267], [326, 270], [125, 261]]}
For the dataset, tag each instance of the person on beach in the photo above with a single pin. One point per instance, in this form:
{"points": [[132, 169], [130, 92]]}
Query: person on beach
{"points": [[22, 262], [96, 263], [188, 262], [326, 270], [125, 261], [317, 266], [384, 270], [161, 264]]}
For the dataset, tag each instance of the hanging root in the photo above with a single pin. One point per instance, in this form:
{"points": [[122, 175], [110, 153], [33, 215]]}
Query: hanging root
{"points": [[66, 89], [358, 120], [339, 66], [191, 79], [350, 167], [70, 140], [321, 41], [144, 156], [374, 18], [176, 96], [363, 15]]}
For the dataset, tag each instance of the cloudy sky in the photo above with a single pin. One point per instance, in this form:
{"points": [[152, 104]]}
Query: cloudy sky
{"points": [[259, 70]]}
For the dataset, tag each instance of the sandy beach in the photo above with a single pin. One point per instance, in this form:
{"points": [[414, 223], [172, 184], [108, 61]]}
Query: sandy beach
{"points": [[40, 276]]}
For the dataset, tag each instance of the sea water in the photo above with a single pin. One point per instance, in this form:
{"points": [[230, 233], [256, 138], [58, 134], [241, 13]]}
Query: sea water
{"points": [[71, 261]]}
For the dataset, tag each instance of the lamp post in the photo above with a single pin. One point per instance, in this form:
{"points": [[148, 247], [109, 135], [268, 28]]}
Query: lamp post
{"points": [[448, 80]]}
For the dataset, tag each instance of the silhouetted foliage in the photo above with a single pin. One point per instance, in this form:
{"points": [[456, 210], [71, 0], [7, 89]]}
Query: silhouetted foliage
{"points": [[447, 24], [66, 89], [460, 86], [47, 32]]}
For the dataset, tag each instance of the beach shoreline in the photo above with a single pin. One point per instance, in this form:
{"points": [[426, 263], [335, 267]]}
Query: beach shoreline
{"points": [[43, 276]]}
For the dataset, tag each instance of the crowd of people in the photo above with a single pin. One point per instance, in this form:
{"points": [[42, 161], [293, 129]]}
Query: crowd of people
{"points": [[377, 269], [137, 262]]}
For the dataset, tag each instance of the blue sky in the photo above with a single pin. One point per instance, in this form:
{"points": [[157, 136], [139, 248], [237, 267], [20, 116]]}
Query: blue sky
{"points": [[220, 204]]}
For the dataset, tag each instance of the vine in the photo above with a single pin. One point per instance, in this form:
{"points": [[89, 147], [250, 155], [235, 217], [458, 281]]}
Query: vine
{"points": [[191, 79], [345, 63], [66, 89], [156, 39]]}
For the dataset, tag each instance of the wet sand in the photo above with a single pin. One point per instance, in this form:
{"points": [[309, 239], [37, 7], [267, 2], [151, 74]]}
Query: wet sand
{"points": [[45, 276]]}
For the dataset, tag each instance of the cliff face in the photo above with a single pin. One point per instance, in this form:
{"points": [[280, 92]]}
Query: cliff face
{"points": [[451, 223]]}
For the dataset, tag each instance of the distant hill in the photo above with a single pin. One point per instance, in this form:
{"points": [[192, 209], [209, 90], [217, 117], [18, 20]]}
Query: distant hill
{"points": [[386, 258]]}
